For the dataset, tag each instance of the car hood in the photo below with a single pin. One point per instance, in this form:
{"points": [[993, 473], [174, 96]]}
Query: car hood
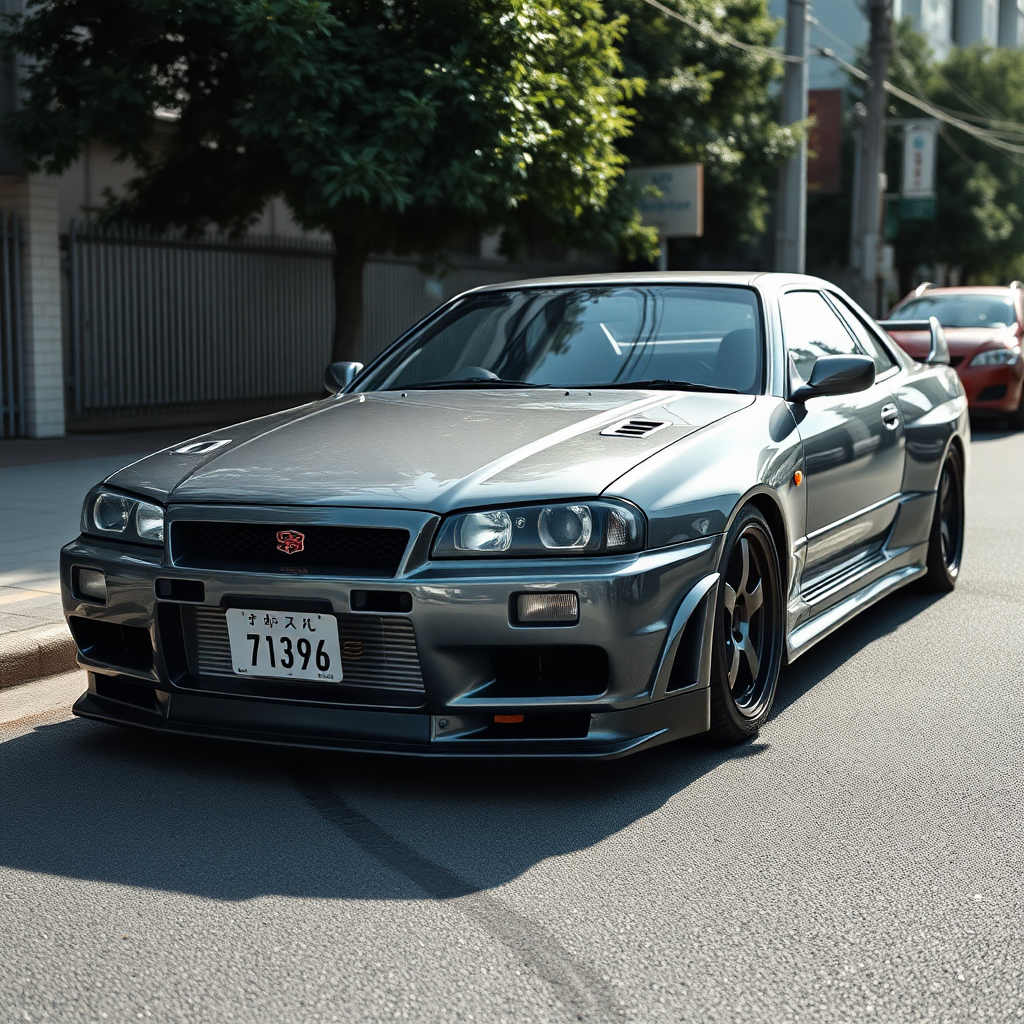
{"points": [[428, 450]]}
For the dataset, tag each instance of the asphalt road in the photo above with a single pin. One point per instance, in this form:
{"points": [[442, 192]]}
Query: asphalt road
{"points": [[862, 860]]}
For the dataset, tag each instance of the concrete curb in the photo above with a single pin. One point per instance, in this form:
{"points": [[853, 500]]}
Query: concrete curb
{"points": [[28, 654]]}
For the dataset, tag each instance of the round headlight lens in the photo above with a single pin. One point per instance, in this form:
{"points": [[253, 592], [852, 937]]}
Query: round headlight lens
{"points": [[484, 531], [111, 512], [149, 522], [565, 526]]}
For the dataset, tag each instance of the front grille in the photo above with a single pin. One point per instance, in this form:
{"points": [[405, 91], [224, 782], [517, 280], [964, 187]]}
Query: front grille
{"points": [[377, 651], [298, 550]]}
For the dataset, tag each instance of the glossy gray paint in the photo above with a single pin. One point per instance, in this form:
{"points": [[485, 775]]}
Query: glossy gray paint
{"points": [[856, 527]]}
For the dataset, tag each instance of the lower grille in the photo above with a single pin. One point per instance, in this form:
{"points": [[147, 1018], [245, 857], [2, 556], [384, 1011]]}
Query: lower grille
{"points": [[376, 651]]}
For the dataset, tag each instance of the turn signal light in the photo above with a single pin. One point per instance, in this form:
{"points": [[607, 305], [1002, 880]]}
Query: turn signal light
{"points": [[508, 719]]}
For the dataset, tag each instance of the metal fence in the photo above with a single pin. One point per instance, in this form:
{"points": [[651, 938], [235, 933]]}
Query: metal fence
{"points": [[159, 325], [12, 356]]}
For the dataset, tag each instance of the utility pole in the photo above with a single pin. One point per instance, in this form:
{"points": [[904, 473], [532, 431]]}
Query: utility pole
{"points": [[866, 230], [791, 236]]}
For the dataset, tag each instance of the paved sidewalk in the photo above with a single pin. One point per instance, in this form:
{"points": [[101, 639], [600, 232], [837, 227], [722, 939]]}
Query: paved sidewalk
{"points": [[42, 485]]}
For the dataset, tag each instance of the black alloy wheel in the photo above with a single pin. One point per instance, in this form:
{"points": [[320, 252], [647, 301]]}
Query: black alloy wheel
{"points": [[946, 543], [748, 634]]}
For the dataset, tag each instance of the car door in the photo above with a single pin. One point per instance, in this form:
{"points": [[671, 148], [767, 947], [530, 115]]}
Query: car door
{"points": [[853, 445]]}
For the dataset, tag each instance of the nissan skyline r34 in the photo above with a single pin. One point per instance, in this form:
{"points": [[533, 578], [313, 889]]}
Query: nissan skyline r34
{"points": [[573, 517]]}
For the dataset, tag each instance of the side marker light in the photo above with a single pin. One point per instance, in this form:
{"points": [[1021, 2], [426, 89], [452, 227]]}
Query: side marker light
{"points": [[508, 719], [798, 478]]}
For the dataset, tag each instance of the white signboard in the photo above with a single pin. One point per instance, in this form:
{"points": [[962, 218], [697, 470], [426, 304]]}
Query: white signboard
{"points": [[919, 145], [679, 211]]}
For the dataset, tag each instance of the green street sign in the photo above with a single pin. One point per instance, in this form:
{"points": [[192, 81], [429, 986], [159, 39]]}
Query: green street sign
{"points": [[917, 208]]}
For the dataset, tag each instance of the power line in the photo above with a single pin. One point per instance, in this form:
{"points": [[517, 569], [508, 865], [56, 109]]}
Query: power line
{"points": [[998, 126], [723, 37], [929, 108]]}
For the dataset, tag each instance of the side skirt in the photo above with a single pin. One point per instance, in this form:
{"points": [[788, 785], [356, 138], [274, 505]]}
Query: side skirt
{"points": [[805, 636]]}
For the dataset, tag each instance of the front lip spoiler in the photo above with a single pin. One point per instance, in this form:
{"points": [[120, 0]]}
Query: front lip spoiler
{"points": [[690, 717]]}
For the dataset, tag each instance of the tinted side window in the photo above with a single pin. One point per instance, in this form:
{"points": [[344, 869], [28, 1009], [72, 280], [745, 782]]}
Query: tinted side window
{"points": [[867, 341], [812, 329]]}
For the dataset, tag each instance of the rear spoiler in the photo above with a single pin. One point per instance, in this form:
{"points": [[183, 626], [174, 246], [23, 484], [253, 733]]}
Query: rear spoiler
{"points": [[938, 351]]}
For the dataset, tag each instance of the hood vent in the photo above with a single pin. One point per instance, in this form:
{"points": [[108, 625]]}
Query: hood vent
{"points": [[634, 428]]}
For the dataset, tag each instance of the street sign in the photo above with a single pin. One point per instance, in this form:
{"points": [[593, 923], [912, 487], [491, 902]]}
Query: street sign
{"points": [[825, 142], [919, 145], [917, 208], [679, 211]]}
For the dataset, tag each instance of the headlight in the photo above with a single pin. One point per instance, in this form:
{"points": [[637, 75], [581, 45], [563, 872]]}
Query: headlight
{"points": [[579, 528], [996, 357], [107, 514]]}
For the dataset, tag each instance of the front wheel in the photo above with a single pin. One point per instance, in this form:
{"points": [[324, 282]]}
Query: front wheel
{"points": [[946, 541], [747, 642]]}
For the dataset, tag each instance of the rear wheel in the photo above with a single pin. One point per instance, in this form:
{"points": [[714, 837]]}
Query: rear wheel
{"points": [[747, 643], [946, 542]]}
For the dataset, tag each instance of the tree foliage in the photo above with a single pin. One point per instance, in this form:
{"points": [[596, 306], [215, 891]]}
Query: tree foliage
{"points": [[711, 103], [398, 125], [979, 223]]}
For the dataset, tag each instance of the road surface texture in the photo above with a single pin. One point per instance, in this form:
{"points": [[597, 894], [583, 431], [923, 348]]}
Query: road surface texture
{"points": [[862, 860]]}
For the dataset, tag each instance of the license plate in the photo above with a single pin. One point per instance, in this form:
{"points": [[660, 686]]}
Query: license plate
{"points": [[292, 645]]}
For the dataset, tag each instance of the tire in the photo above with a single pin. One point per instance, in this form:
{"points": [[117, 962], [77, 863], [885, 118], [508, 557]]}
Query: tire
{"points": [[946, 540], [747, 639]]}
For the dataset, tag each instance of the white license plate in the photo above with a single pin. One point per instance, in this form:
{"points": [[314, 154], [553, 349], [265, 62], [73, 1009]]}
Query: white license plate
{"points": [[293, 645]]}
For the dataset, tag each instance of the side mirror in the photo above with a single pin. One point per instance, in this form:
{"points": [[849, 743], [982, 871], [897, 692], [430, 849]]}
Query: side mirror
{"points": [[938, 349], [837, 375], [338, 376]]}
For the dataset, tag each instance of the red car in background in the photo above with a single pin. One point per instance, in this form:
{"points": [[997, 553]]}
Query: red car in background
{"points": [[983, 327]]}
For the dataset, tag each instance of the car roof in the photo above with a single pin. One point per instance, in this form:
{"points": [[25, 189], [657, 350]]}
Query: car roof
{"points": [[966, 289], [748, 278]]}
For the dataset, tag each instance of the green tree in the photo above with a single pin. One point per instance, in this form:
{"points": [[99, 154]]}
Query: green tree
{"points": [[979, 225], [394, 125], [709, 102]]}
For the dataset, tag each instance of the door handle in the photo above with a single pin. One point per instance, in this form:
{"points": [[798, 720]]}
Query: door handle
{"points": [[890, 416]]}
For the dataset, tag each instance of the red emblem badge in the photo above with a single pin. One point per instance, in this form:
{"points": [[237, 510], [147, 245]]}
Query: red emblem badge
{"points": [[291, 542]]}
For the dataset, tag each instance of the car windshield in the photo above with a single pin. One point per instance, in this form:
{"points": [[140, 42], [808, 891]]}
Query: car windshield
{"points": [[962, 310], [704, 337]]}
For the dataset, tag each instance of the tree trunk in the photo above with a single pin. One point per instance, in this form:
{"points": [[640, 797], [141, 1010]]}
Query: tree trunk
{"points": [[350, 257]]}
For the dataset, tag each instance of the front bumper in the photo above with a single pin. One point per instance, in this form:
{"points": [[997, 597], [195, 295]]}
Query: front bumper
{"points": [[641, 616], [992, 389]]}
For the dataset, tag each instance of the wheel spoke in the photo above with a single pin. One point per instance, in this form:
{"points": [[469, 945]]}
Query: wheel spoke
{"points": [[754, 600], [729, 600], [752, 659], [741, 587], [734, 666]]}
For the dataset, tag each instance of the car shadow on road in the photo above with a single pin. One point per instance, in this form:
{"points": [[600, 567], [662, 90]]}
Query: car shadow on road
{"points": [[232, 822]]}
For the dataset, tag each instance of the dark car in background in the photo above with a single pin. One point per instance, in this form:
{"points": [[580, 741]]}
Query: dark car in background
{"points": [[983, 327], [571, 517]]}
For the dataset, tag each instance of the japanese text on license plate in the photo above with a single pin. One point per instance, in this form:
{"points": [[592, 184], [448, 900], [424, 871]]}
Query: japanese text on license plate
{"points": [[294, 645]]}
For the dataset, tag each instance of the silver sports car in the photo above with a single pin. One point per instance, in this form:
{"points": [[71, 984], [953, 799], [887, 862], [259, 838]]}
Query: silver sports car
{"points": [[570, 517]]}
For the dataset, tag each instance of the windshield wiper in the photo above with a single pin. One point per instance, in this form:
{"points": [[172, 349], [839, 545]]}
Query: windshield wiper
{"points": [[492, 382], [660, 384]]}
